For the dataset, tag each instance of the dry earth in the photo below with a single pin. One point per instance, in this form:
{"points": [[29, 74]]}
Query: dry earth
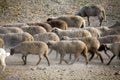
{"points": [[95, 70]]}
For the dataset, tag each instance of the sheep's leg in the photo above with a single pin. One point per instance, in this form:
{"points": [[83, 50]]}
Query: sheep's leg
{"points": [[70, 57], [100, 20], [40, 58], [25, 61], [92, 55], [62, 58], [111, 59], [76, 58], [86, 58], [88, 20], [46, 56], [51, 52], [99, 54], [23, 58], [105, 51], [3, 64]]}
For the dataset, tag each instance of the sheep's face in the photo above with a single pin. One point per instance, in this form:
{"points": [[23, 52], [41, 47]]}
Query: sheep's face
{"points": [[49, 19], [55, 30], [12, 51]]}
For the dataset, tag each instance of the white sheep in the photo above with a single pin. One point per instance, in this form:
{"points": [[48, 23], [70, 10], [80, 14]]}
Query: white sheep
{"points": [[71, 33], [31, 47], [75, 47], [72, 21], [92, 44], [3, 55]]}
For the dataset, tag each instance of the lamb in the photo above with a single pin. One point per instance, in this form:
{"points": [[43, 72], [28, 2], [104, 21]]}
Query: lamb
{"points": [[71, 33], [93, 10], [4, 30], [58, 23], [72, 21], [92, 44], [33, 30], [12, 39], [31, 47], [64, 47], [115, 49], [3, 55], [44, 25]]}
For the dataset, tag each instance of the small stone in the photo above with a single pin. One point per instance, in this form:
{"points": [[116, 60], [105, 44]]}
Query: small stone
{"points": [[117, 73]]}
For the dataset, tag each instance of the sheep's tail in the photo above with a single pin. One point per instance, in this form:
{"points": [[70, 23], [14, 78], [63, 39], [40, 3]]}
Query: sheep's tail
{"points": [[104, 15]]}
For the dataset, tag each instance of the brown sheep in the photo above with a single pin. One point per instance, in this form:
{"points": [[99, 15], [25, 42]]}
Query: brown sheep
{"points": [[31, 47], [44, 25], [72, 21], [58, 23]]}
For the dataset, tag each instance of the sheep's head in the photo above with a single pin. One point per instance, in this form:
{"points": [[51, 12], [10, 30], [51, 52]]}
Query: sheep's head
{"points": [[12, 51], [50, 43], [49, 19], [55, 30]]}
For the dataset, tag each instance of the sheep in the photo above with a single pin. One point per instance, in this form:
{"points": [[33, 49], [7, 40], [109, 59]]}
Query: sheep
{"points": [[72, 21], [109, 39], [64, 47], [94, 31], [71, 33], [3, 55], [4, 30], [58, 23], [44, 25], [92, 10], [45, 37], [92, 44], [12, 39], [31, 47], [115, 49], [13, 25], [33, 30]]}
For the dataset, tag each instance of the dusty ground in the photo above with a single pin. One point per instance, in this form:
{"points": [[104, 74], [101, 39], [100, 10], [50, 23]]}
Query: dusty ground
{"points": [[95, 70]]}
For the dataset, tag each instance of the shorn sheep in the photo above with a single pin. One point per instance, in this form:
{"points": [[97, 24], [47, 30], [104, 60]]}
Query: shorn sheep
{"points": [[31, 47], [75, 47], [58, 23], [93, 10], [92, 44], [71, 33], [115, 49], [3, 55], [72, 21]]}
